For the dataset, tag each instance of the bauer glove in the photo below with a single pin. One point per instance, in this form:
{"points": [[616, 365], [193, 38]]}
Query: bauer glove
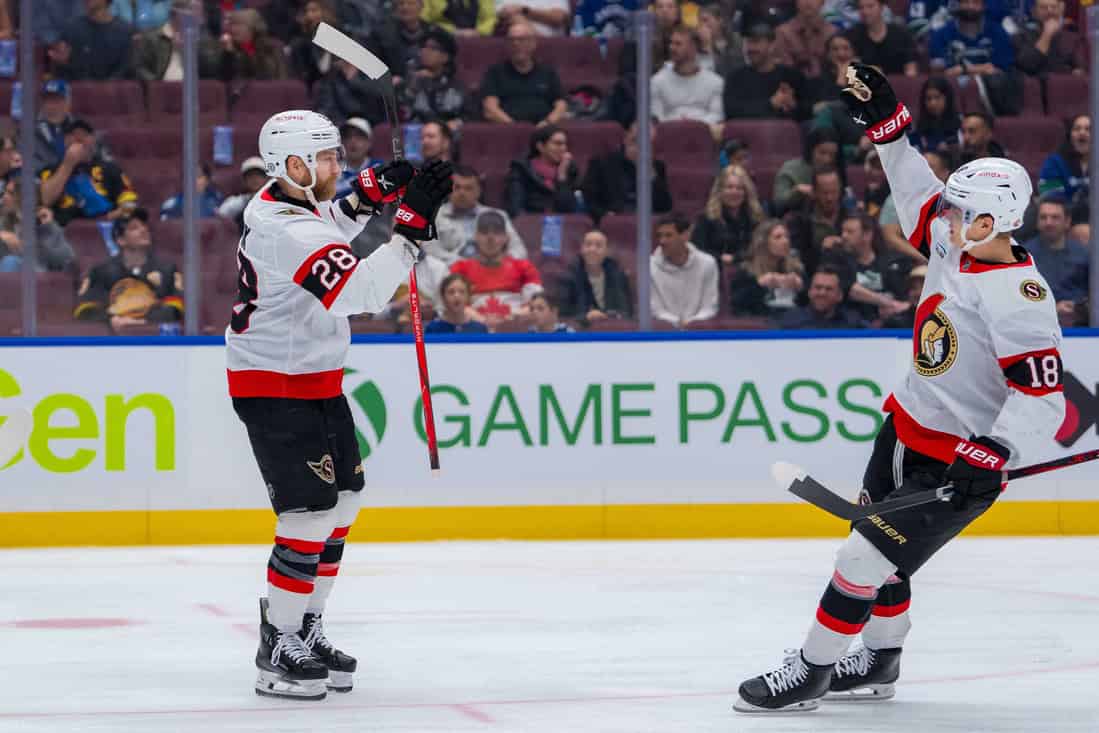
{"points": [[872, 104], [415, 217], [977, 471], [382, 184]]}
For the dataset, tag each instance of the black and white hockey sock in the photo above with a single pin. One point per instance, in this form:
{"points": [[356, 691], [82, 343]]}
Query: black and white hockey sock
{"points": [[291, 574], [843, 611], [327, 570], [889, 622]]}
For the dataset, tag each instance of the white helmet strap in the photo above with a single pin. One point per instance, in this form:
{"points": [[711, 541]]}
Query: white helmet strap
{"points": [[307, 190]]}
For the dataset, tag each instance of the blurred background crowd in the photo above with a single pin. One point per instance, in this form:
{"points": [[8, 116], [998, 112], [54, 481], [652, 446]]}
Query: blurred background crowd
{"points": [[771, 209]]}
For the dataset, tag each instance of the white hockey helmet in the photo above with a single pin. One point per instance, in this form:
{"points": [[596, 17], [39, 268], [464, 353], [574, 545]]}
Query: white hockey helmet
{"points": [[297, 132], [997, 187]]}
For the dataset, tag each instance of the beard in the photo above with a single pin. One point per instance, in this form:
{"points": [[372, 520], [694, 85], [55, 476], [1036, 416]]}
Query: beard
{"points": [[325, 189]]}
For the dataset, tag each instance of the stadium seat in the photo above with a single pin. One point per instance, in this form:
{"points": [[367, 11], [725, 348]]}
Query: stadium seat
{"points": [[768, 141], [1021, 135], [254, 101], [578, 61], [589, 140], [87, 241], [475, 55], [573, 228], [685, 143], [612, 325], [690, 188], [488, 146], [166, 102], [113, 103], [1066, 95]]}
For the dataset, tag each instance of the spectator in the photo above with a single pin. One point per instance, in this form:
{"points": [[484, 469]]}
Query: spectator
{"points": [[546, 181], [469, 18], [49, 133], [397, 42], [436, 142], [977, 139], [976, 46], [545, 17], [793, 182], [50, 19], [596, 287], [1043, 46], [355, 134], [825, 309], [769, 281], [158, 52], [455, 222], [720, 47], [888, 46], [142, 15], [502, 285], [762, 88], [1063, 262], [873, 284], [544, 312], [906, 319], [455, 315], [54, 253], [248, 51], [10, 160], [877, 186], [95, 45], [346, 92], [434, 92], [683, 278], [800, 42], [605, 19], [308, 61], [83, 185], [209, 198], [817, 226], [134, 287], [938, 126], [683, 90], [610, 186], [826, 88], [253, 174], [1065, 172], [724, 229], [520, 89]]}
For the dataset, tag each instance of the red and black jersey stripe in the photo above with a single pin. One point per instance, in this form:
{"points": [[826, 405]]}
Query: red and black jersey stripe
{"points": [[921, 235], [325, 272], [1035, 372]]}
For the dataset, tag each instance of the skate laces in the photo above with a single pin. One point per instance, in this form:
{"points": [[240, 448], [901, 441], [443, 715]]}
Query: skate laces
{"points": [[855, 664], [292, 646], [792, 672], [316, 636]]}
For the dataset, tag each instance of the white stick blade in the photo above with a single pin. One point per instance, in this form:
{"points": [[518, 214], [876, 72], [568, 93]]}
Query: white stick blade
{"points": [[786, 473], [338, 44], [13, 434]]}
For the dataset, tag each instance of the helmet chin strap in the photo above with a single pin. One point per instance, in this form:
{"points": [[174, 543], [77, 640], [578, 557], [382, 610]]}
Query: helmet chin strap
{"points": [[968, 244], [307, 190]]}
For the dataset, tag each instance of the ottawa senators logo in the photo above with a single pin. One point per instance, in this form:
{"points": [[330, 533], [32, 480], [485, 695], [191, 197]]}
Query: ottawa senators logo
{"points": [[936, 345], [1032, 290]]}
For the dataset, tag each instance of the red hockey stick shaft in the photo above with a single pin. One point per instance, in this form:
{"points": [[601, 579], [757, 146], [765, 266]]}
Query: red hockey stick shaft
{"points": [[421, 359], [1032, 470]]}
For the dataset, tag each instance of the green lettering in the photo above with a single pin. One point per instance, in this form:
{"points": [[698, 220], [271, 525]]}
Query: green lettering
{"points": [[686, 416], [822, 417], [504, 394], [462, 437], [86, 428], [748, 392], [164, 425], [593, 400], [618, 414], [9, 388], [871, 412]]}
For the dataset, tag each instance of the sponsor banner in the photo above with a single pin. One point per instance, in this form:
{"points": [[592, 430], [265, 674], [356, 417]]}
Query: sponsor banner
{"points": [[519, 424]]}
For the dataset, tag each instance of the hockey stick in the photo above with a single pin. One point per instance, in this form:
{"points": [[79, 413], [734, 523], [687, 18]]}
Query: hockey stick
{"points": [[13, 434], [800, 484], [342, 46]]}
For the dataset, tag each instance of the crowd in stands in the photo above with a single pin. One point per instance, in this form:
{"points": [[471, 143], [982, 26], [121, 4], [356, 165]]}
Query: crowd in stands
{"points": [[770, 207]]}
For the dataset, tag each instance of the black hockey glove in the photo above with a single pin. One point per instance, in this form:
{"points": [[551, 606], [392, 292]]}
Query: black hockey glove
{"points": [[872, 103], [382, 184], [415, 217], [977, 471]]}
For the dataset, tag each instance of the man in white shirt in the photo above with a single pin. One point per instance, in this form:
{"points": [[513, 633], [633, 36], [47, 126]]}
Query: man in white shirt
{"points": [[456, 219], [682, 89], [684, 278]]}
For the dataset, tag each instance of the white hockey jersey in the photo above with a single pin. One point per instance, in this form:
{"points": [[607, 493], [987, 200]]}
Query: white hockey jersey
{"points": [[298, 282], [985, 347]]}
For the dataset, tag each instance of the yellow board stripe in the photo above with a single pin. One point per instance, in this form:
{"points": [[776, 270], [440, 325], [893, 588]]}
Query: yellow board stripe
{"points": [[406, 524]]}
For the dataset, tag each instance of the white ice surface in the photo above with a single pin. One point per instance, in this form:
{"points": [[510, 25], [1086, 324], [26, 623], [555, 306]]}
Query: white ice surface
{"points": [[616, 636]]}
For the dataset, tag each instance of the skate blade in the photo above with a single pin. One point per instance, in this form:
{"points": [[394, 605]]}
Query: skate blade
{"points": [[270, 684], [805, 706], [339, 681], [863, 695]]}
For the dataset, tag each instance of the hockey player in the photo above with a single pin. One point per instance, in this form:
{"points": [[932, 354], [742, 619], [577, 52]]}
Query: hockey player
{"points": [[982, 394], [287, 344]]}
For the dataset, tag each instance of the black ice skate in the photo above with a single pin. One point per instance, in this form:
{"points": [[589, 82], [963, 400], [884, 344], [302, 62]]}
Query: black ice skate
{"points": [[286, 667], [865, 675], [340, 666], [795, 687]]}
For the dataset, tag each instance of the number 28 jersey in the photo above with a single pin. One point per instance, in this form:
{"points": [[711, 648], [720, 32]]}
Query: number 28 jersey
{"points": [[985, 348], [298, 281]]}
